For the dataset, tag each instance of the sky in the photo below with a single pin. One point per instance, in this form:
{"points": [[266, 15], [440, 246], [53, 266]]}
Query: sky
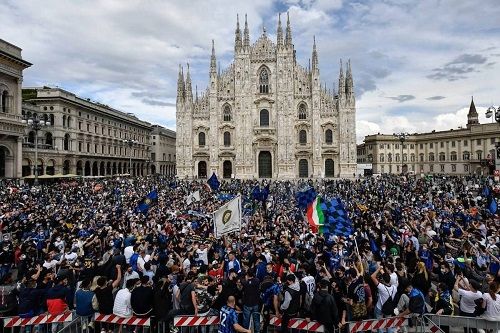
{"points": [[415, 64]]}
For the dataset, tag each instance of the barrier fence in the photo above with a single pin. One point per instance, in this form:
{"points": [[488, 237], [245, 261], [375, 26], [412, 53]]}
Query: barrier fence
{"points": [[435, 323], [41, 320], [69, 323]]}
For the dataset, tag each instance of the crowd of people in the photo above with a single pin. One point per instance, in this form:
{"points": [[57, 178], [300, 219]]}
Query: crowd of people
{"points": [[419, 245]]}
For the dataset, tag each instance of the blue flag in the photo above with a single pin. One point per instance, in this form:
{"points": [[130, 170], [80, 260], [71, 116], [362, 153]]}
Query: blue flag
{"points": [[304, 198], [213, 182], [147, 202], [486, 191], [493, 205], [264, 194], [256, 193], [337, 219]]}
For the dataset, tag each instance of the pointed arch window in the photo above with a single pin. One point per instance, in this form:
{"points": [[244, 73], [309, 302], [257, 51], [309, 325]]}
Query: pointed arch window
{"points": [[264, 117], [227, 113], [227, 139], [264, 81], [201, 139], [328, 137], [302, 137], [302, 112]]}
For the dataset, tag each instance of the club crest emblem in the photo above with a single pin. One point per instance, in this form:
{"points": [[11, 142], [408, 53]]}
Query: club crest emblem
{"points": [[226, 216]]}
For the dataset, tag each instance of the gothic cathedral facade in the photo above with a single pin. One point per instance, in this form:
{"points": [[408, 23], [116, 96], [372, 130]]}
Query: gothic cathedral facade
{"points": [[266, 116]]}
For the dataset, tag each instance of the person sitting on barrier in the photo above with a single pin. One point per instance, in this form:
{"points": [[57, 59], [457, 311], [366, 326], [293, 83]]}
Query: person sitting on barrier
{"points": [[291, 301], [324, 308], [416, 303], [122, 305], [83, 300], [203, 297], [187, 301], [229, 318], [58, 298], [142, 298], [386, 293]]}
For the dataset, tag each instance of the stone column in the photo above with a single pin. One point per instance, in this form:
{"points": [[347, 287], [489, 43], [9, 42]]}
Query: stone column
{"points": [[18, 158]]}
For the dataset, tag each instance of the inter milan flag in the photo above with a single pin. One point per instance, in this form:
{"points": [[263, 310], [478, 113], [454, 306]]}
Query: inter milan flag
{"points": [[213, 182], [337, 221], [147, 202]]}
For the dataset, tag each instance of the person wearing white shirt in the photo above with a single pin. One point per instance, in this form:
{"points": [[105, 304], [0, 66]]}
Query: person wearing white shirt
{"points": [[121, 306], [385, 290], [203, 254], [128, 252], [492, 303], [469, 293], [143, 258]]}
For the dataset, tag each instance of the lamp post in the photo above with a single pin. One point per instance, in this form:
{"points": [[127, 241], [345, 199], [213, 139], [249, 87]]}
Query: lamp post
{"points": [[494, 113], [130, 143], [402, 138], [35, 123]]}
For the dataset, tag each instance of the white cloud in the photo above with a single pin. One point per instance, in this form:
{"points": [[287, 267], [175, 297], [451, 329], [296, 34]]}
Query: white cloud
{"points": [[118, 52]]}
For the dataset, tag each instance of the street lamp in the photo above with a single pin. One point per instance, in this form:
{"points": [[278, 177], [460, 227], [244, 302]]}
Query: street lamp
{"points": [[402, 137], [35, 123], [493, 113], [130, 143]]}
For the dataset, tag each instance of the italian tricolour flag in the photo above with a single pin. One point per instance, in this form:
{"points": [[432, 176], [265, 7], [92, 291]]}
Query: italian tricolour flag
{"points": [[315, 216]]}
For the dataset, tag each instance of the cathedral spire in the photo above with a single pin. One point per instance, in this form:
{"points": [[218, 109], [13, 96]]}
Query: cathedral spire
{"points": [[288, 38], [348, 80], [213, 60], [341, 79], [189, 89], [279, 33], [180, 85], [314, 56], [237, 37], [246, 34], [196, 89]]}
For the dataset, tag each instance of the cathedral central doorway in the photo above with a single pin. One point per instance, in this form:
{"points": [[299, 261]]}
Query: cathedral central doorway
{"points": [[227, 169], [329, 168], [265, 165], [303, 169], [202, 169]]}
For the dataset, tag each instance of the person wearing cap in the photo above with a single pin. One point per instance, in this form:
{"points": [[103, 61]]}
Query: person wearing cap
{"points": [[324, 308], [216, 271], [291, 301]]}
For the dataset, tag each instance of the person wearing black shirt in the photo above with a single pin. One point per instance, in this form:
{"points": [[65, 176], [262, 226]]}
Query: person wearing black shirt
{"points": [[251, 300], [188, 303], [104, 292], [142, 297], [324, 308]]}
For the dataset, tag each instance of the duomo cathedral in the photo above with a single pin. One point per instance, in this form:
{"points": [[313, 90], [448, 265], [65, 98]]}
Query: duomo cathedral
{"points": [[266, 116]]}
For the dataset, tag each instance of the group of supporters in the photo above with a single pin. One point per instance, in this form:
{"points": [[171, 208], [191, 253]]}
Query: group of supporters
{"points": [[419, 245]]}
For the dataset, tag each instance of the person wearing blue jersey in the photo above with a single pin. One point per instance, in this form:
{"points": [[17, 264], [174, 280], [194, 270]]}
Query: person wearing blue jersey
{"points": [[229, 318]]}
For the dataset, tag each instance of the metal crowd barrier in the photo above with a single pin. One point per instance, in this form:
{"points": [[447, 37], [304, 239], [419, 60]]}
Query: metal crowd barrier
{"points": [[433, 323], [116, 323], [376, 324], [45, 320]]}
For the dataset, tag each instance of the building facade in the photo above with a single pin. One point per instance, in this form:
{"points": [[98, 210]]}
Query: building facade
{"points": [[468, 150], [266, 116], [162, 151], [84, 138], [11, 128]]}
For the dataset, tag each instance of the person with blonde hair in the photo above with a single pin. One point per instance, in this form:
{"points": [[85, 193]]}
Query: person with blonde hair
{"points": [[421, 279]]}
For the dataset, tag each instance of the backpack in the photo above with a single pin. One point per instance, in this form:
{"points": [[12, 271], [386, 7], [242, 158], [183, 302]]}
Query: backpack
{"points": [[388, 306], [417, 302], [133, 261]]}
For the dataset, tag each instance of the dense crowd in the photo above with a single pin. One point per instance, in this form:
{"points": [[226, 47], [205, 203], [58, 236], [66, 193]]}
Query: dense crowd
{"points": [[421, 245]]}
